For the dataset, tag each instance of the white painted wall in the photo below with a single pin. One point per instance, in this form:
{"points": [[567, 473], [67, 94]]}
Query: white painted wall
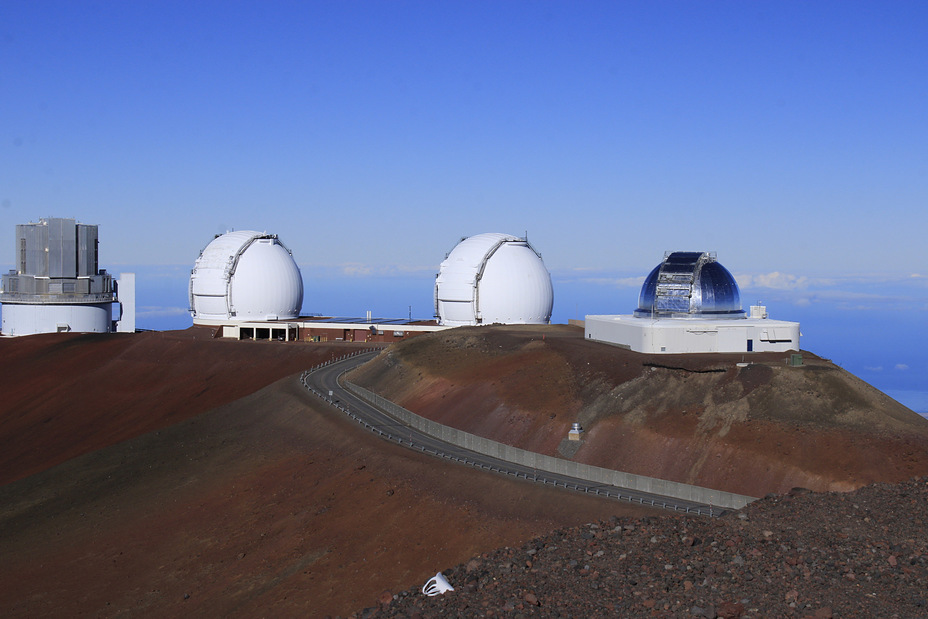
{"points": [[701, 335], [126, 296], [32, 319]]}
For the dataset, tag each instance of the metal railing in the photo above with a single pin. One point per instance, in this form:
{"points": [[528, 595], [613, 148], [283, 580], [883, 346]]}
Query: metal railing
{"points": [[601, 482]]}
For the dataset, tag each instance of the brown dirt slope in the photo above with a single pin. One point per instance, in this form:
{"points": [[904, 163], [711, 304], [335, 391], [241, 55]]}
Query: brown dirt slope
{"points": [[68, 394], [265, 506], [698, 419], [270, 505]]}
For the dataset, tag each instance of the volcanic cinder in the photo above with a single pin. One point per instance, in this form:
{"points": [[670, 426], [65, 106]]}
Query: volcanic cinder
{"points": [[177, 474]]}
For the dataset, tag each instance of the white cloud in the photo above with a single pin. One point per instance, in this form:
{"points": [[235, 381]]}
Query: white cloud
{"points": [[775, 280], [787, 281], [902, 367], [361, 270], [152, 311], [432, 269], [356, 270], [615, 282], [878, 368]]}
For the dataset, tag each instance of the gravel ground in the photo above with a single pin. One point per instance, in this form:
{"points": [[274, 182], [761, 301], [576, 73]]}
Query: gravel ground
{"points": [[800, 554]]}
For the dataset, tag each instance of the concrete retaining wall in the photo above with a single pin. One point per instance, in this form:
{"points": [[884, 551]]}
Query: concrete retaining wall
{"points": [[551, 464]]}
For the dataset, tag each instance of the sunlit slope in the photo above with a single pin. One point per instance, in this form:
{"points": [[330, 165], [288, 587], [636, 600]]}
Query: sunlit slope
{"points": [[749, 424]]}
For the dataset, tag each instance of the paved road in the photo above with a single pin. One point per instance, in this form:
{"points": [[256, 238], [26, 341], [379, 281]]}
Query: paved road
{"points": [[324, 381]]}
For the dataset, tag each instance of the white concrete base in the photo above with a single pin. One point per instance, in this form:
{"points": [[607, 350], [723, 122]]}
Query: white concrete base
{"points": [[693, 335], [31, 319]]}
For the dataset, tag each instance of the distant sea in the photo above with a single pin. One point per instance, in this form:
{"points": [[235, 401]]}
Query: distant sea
{"points": [[886, 348]]}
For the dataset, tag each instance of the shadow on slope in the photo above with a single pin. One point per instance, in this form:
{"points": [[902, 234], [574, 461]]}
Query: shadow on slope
{"points": [[66, 394], [273, 504]]}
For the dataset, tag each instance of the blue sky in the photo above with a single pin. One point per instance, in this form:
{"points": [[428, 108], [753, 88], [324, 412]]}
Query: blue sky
{"points": [[789, 137]]}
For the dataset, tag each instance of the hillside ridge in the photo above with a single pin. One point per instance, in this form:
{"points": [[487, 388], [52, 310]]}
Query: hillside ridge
{"points": [[748, 424]]}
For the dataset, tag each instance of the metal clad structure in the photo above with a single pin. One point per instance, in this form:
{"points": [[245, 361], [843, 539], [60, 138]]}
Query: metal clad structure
{"points": [[31, 244], [57, 285], [87, 250], [62, 248], [691, 283]]}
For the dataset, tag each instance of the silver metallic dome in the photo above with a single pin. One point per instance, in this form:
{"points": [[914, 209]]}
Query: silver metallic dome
{"points": [[689, 284]]}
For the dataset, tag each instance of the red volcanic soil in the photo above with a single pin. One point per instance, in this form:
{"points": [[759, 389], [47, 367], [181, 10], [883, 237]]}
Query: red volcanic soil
{"points": [[700, 419], [171, 474], [68, 394]]}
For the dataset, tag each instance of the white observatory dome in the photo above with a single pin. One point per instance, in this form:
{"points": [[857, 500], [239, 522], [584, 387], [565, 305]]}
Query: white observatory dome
{"points": [[493, 278], [244, 276]]}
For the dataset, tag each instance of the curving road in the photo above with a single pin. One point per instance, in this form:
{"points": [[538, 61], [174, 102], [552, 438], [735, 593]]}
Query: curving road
{"points": [[324, 381]]}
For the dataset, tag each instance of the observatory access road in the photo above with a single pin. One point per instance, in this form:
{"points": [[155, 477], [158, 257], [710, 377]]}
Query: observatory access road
{"points": [[325, 382]]}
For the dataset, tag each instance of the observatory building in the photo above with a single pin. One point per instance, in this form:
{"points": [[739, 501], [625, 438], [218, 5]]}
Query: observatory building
{"points": [[245, 276], [247, 286], [690, 303], [57, 285], [493, 278]]}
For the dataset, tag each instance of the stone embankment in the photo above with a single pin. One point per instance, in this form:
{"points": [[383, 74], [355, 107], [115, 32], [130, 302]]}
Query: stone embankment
{"points": [[802, 554]]}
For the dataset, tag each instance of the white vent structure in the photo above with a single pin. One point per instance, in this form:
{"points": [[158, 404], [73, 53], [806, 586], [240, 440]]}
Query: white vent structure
{"points": [[493, 278], [244, 276]]}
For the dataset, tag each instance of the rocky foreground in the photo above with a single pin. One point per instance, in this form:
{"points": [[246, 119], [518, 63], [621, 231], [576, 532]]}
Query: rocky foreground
{"points": [[801, 554]]}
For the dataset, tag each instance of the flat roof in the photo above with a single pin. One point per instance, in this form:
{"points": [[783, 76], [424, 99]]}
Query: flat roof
{"points": [[665, 322], [364, 321]]}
